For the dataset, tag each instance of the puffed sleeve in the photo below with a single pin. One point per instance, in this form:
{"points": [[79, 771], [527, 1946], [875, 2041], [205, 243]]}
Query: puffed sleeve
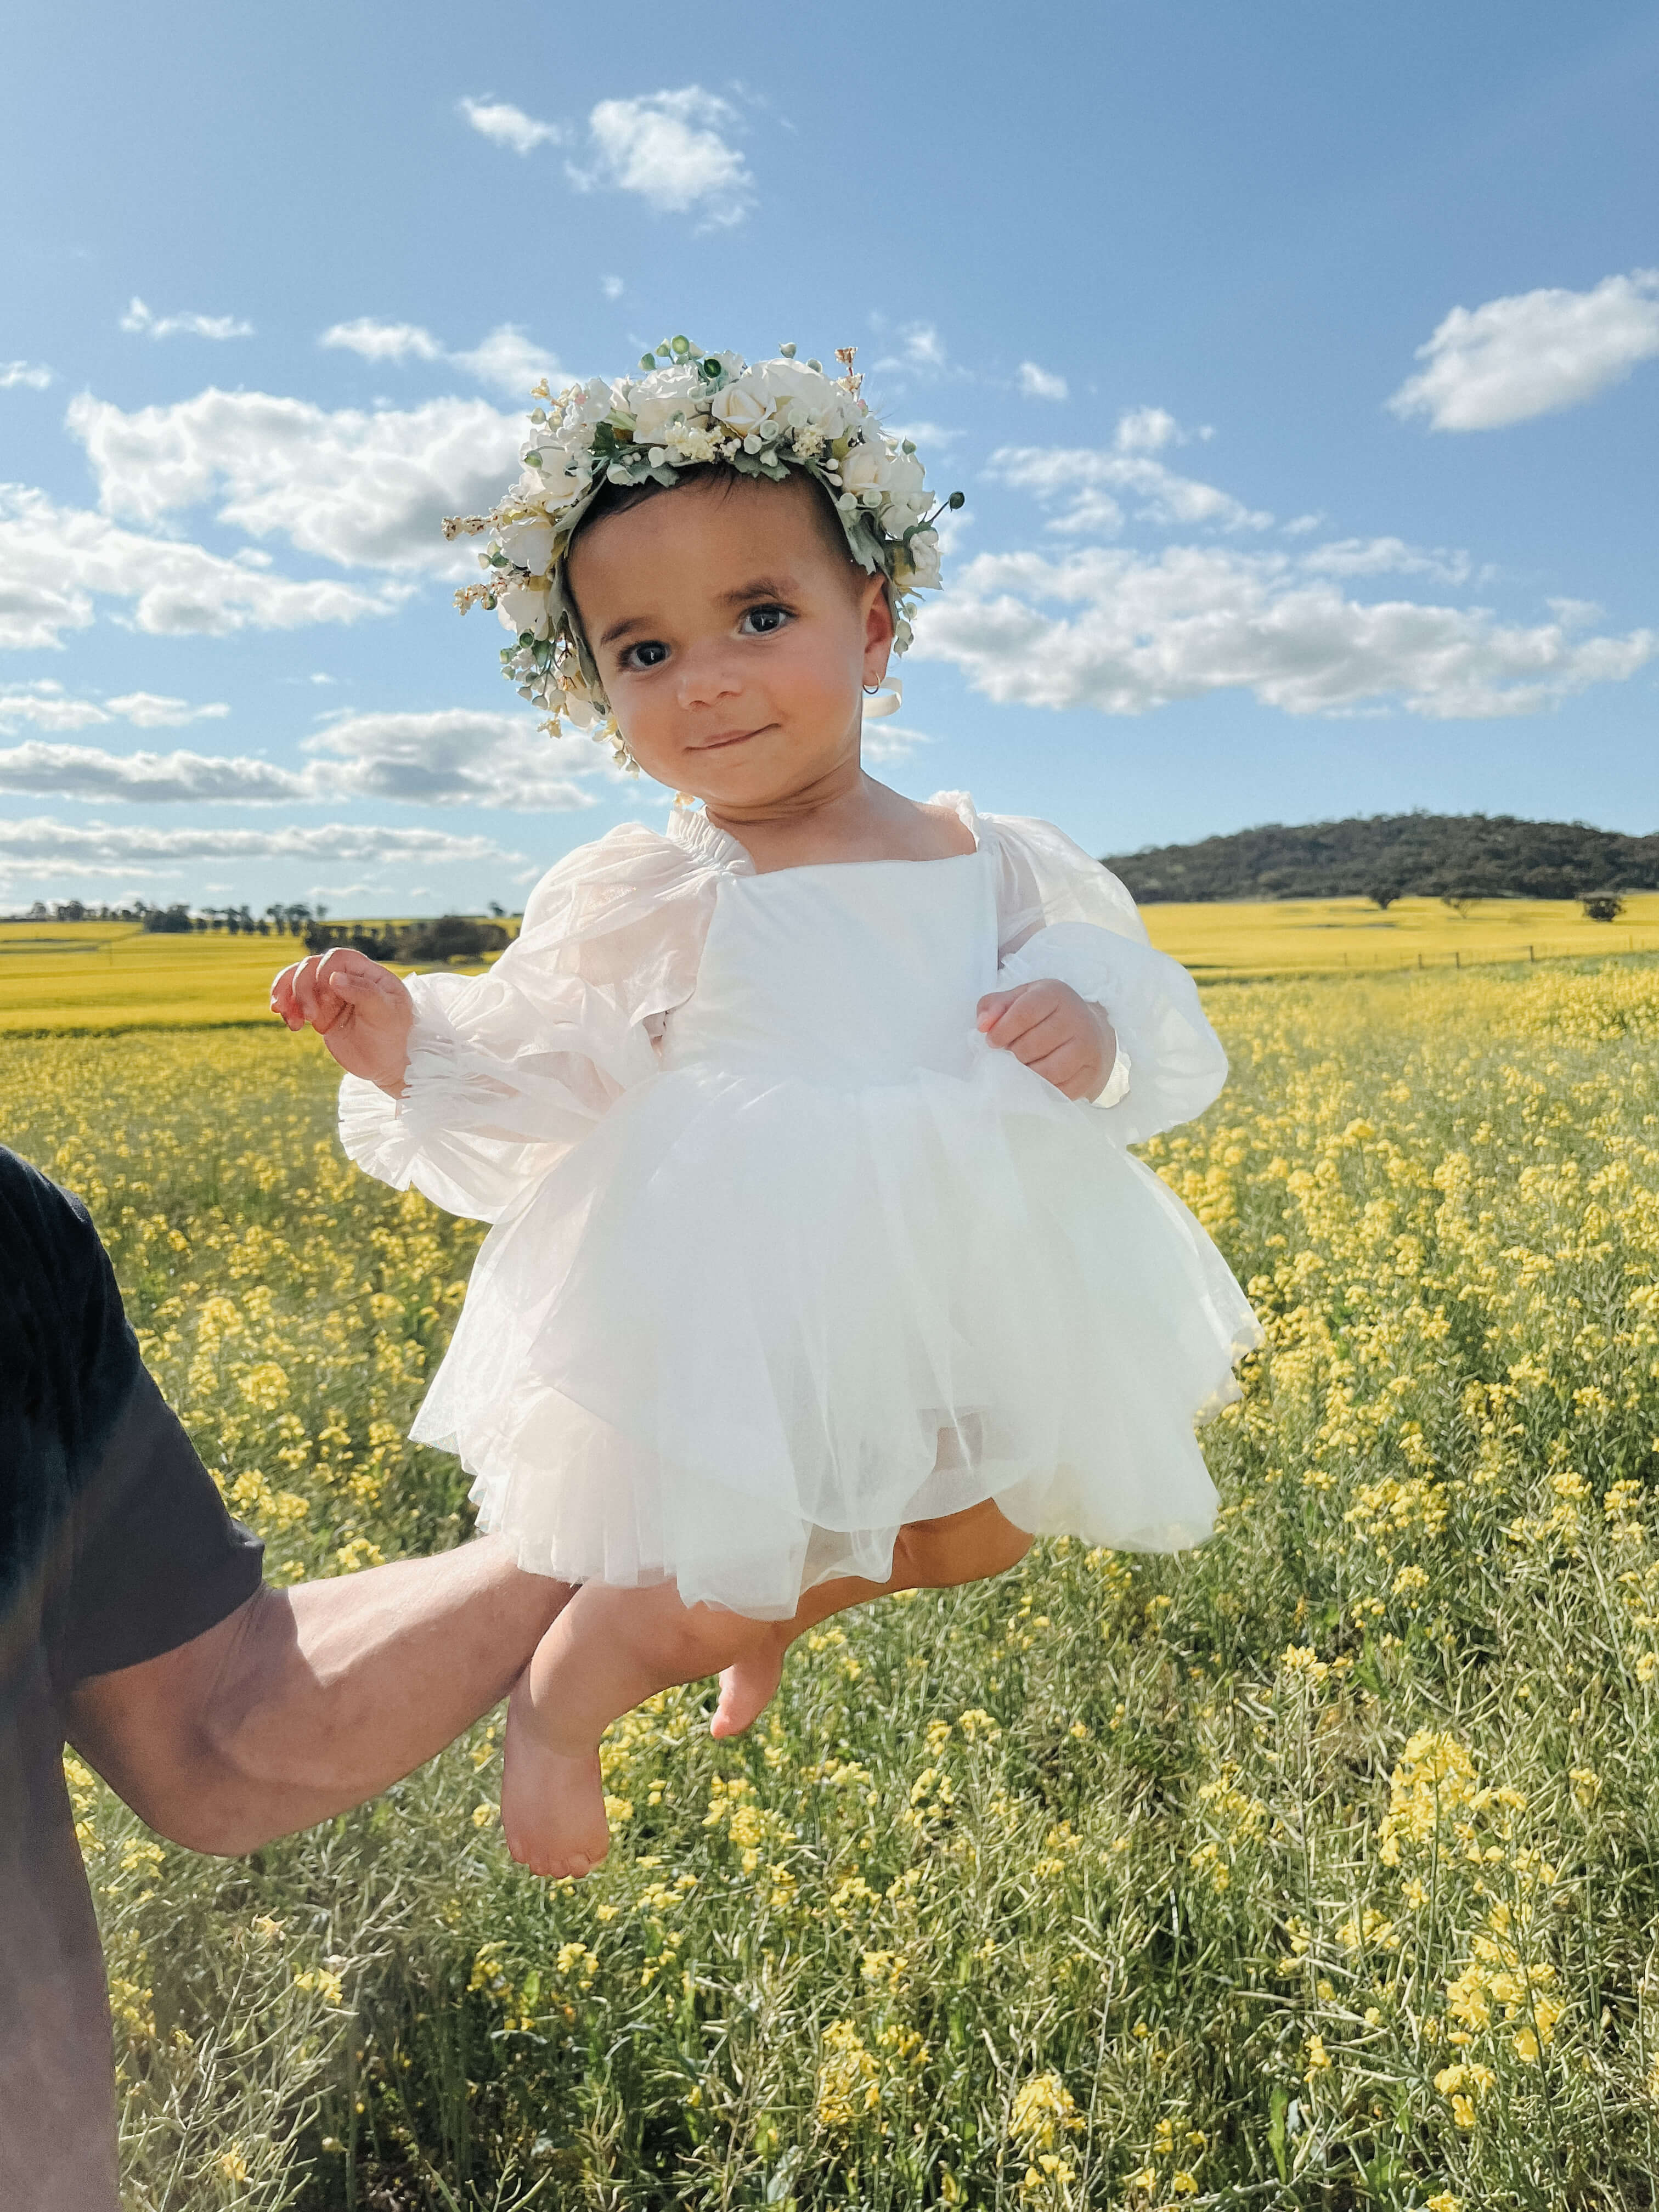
{"points": [[1064, 917], [509, 1069]]}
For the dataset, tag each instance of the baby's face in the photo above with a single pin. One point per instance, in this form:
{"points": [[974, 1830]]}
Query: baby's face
{"points": [[731, 636]]}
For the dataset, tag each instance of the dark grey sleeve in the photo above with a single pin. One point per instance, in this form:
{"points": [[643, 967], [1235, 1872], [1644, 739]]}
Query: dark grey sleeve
{"points": [[157, 1561]]}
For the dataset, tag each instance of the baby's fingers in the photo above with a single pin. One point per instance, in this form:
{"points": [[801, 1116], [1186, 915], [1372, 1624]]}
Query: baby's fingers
{"points": [[994, 1004], [282, 997], [1005, 1016]]}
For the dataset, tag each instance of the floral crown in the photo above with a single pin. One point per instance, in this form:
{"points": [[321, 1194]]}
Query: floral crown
{"points": [[685, 411]]}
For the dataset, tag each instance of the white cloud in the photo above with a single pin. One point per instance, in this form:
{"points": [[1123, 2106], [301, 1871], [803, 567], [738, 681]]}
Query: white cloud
{"points": [[35, 374], [100, 849], [885, 742], [351, 486], [1041, 383], [55, 561], [510, 362], [611, 287], [152, 710], [49, 707], [1124, 632], [506, 359], [925, 435], [498, 119], [921, 350], [1147, 430], [1388, 556], [1533, 353], [1087, 482], [383, 341], [668, 148], [139, 318], [452, 757], [47, 770]]}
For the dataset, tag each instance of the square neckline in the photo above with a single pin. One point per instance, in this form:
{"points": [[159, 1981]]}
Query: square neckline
{"points": [[692, 828]]}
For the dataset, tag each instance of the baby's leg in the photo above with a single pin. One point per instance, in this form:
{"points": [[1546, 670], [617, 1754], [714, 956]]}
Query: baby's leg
{"points": [[959, 1547], [607, 1652]]}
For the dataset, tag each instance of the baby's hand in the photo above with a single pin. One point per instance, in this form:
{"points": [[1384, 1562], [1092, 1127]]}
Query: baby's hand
{"points": [[362, 1012], [1047, 1026]]}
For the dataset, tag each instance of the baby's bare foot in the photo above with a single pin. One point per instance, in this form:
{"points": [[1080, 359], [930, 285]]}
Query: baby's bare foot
{"points": [[552, 1803], [749, 1685]]}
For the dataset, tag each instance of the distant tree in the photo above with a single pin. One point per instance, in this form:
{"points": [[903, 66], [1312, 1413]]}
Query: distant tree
{"points": [[168, 920], [1460, 901], [498, 911], [1602, 906], [1383, 895]]}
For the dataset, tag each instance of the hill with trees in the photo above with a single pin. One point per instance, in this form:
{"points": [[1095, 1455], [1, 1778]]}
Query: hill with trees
{"points": [[1389, 856]]}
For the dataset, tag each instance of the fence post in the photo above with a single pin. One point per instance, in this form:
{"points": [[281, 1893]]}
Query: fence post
{"points": [[1532, 954], [1457, 959]]}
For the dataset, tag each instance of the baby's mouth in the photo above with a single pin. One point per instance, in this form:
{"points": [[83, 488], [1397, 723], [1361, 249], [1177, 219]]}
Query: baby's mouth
{"points": [[722, 738]]}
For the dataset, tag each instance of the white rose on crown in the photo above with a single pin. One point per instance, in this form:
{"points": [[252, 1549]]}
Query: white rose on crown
{"points": [[868, 467], [588, 404], [656, 400], [741, 407], [525, 604], [528, 544]]}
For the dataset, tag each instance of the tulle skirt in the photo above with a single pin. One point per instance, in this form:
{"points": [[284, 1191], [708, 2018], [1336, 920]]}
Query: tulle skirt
{"points": [[754, 1324]]}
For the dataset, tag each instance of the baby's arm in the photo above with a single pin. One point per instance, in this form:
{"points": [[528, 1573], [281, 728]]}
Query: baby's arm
{"points": [[362, 1012], [1049, 1027]]}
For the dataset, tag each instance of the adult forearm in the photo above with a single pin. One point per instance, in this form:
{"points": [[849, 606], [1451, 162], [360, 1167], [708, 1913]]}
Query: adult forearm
{"points": [[337, 1688], [308, 1700]]}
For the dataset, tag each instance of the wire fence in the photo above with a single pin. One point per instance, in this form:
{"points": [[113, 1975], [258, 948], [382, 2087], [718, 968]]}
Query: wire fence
{"points": [[1614, 943]]}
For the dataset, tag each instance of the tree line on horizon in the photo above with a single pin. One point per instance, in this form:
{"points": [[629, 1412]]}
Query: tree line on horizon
{"points": [[1384, 857]]}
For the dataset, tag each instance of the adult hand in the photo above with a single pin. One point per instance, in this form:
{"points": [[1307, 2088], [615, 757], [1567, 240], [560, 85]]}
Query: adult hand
{"points": [[362, 1011], [1048, 1028]]}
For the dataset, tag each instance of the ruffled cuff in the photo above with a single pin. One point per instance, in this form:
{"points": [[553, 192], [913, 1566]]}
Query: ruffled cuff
{"points": [[1152, 1004], [489, 1105]]}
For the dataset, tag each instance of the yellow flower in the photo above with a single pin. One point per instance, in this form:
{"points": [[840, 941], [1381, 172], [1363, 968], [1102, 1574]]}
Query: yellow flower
{"points": [[1043, 2114], [849, 2085]]}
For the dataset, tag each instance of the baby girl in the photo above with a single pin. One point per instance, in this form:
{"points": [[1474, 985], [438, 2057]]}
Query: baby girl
{"points": [[819, 1268]]}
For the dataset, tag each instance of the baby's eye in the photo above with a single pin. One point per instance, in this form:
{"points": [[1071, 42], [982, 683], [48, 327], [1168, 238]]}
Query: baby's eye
{"points": [[764, 621], [650, 653]]}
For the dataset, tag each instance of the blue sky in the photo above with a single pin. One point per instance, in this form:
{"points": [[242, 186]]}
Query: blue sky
{"points": [[1300, 366]]}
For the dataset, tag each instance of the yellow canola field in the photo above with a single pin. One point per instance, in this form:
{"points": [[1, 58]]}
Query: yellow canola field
{"points": [[1315, 1868], [1312, 937], [111, 976]]}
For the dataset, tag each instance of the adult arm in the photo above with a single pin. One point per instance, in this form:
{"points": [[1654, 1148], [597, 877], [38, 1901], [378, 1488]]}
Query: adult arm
{"points": [[304, 1702]]}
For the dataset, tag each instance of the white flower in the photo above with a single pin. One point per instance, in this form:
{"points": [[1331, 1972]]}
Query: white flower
{"points": [[589, 405], [867, 467], [657, 399], [579, 710], [898, 514], [692, 447], [523, 605], [528, 544], [924, 561], [741, 407]]}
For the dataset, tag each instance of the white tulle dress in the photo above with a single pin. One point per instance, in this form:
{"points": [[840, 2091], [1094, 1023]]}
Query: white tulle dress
{"points": [[784, 1254]]}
